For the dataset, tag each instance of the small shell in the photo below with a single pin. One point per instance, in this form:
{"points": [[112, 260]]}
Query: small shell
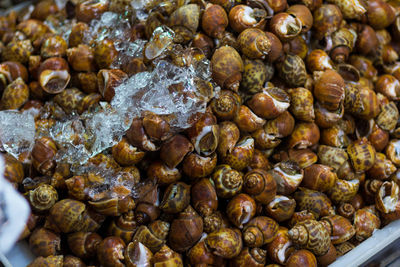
{"points": [[288, 176], [280, 248], [136, 254], [350, 9], [14, 95], [229, 135], [305, 134], [281, 208], [214, 20], [329, 89], [250, 257], [365, 224], [204, 197], [302, 257], [269, 103], [110, 251], [167, 257]]}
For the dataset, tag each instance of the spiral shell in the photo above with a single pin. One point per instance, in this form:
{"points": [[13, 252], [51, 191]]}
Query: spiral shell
{"points": [[254, 43], [311, 235], [110, 251], [260, 184], [124, 226], [281, 208], [250, 257], [204, 197], [43, 197], [280, 248], [167, 257], [228, 181], [83, 244], [153, 236], [288, 176]]}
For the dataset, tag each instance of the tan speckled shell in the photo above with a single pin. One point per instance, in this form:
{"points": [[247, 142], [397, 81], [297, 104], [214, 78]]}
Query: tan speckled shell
{"points": [[311, 235]]}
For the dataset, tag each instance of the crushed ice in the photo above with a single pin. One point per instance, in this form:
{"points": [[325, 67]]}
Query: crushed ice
{"points": [[17, 132]]}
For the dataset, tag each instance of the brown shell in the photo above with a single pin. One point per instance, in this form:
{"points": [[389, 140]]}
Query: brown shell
{"points": [[254, 76], [319, 177], [329, 90], [162, 174], [281, 208], [124, 226], [288, 176], [260, 185], [343, 190], [225, 242], [44, 242], [269, 103], [302, 257], [226, 105], [382, 168], [136, 254], [153, 236], [247, 120], [302, 104], [126, 154], [214, 20], [204, 197], [255, 257], [113, 206], [254, 43], [242, 17], [176, 198], [319, 60], [110, 251], [174, 150], [281, 247], [185, 230], [241, 209], [305, 134], [227, 181], [84, 244], [327, 19], [339, 228], [56, 261], [104, 54], [15, 95], [362, 155], [14, 170], [241, 154], [196, 166], [312, 235], [316, 202], [167, 257], [108, 80], [293, 71], [227, 68], [333, 157], [365, 222], [43, 197]]}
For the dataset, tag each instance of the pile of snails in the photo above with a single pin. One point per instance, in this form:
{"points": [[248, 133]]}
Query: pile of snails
{"points": [[294, 163]]}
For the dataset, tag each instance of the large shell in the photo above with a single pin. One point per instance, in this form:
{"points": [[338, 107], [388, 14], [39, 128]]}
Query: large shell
{"points": [[362, 155], [339, 228], [311, 235], [260, 231], [316, 202], [228, 181], [43, 197]]}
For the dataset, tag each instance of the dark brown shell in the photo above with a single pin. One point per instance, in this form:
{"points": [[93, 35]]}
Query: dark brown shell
{"points": [[316, 202], [260, 184], [185, 230], [260, 231]]}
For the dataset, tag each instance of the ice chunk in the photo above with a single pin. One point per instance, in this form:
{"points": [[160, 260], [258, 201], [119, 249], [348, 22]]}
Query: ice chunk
{"points": [[17, 132], [167, 90]]}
